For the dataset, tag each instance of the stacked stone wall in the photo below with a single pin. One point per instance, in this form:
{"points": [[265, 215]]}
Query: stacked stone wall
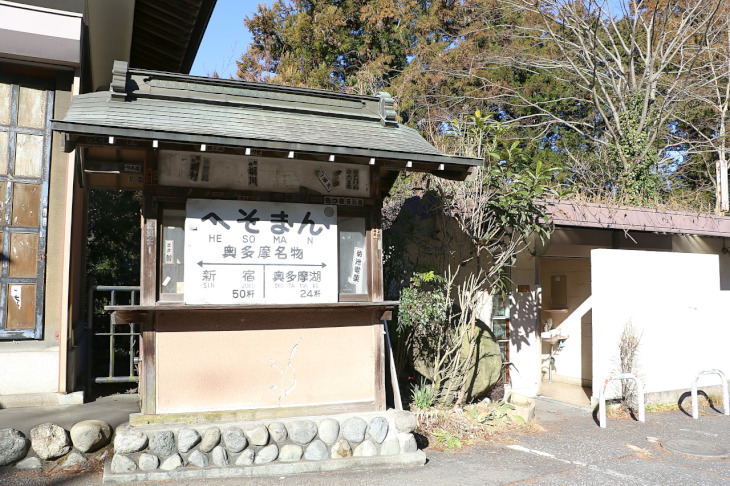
{"points": [[263, 447]]}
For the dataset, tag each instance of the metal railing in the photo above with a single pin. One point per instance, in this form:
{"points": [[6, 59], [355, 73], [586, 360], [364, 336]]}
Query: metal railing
{"points": [[133, 333]]}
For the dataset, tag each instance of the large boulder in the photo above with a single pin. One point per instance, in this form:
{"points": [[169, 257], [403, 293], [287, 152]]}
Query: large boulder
{"points": [[13, 446], [485, 369], [50, 441]]}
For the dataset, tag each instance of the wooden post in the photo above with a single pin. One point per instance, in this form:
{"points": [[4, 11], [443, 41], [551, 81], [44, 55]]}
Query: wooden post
{"points": [[148, 290], [148, 376]]}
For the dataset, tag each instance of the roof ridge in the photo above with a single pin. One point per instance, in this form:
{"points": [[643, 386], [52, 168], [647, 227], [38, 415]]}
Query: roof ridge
{"points": [[202, 80]]}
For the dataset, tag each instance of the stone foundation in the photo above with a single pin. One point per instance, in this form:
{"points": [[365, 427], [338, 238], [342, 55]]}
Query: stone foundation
{"points": [[265, 447]]}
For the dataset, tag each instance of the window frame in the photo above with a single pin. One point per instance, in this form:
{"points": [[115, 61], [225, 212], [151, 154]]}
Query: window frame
{"points": [[7, 229]]}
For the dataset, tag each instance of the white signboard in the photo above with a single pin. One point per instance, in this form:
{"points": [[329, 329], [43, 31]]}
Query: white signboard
{"points": [[243, 252]]}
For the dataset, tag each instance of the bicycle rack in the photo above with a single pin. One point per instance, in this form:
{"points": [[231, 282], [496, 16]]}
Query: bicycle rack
{"points": [[695, 408], [602, 397]]}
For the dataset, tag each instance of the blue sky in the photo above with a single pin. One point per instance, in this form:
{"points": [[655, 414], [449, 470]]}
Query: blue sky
{"points": [[225, 39]]}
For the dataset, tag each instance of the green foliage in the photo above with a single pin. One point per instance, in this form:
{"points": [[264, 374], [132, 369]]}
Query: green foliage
{"points": [[507, 194], [446, 438], [114, 238], [638, 178], [443, 60], [422, 395], [494, 415], [423, 304]]}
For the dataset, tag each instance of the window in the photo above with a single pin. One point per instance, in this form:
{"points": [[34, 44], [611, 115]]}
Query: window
{"points": [[25, 149], [500, 328]]}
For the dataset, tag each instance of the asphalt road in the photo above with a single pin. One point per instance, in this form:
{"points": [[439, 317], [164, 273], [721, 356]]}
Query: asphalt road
{"points": [[571, 450]]}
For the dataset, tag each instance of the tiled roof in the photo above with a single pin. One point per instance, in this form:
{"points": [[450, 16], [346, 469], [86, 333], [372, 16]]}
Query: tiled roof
{"points": [[173, 107]]}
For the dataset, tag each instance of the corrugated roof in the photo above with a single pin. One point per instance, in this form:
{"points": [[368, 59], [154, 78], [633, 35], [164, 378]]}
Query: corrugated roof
{"points": [[173, 107], [592, 215]]}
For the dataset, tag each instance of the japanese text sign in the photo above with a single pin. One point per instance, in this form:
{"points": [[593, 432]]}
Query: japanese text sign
{"points": [[241, 252]]}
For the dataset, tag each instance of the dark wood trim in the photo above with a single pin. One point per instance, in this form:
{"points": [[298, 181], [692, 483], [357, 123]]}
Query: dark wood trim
{"points": [[138, 313], [148, 376], [148, 277], [354, 297], [375, 256], [149, 254]]}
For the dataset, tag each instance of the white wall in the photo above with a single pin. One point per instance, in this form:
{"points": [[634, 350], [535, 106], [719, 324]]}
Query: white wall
{"points": [[674, 302], [29, 372], [524, 346]]}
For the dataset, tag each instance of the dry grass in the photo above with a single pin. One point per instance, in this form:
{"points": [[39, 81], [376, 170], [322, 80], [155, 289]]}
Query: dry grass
{"points": [[678, 202], [616, 411], [642, 453], [455, 428]]}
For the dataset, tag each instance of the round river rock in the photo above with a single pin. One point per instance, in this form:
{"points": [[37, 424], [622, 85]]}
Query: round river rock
{"points": [[13, 446], [50, 441]]}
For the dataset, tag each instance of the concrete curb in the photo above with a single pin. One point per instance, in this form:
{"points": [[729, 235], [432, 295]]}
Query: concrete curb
{"points": [[417, 458]]}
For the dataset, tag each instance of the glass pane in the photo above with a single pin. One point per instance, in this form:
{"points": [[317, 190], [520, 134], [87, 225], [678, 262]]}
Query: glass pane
{"points": [[503, 351], [3, 186], [499, 327], [28, 155], [23, 255], [20, 306], [4, 142], [31, 107], [499, 306], [173, 252], [6, 92], [353, 272], [26, 205]]}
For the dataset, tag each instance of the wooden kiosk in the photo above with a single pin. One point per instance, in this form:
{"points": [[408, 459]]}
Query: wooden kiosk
{"points": [[262, 289]]}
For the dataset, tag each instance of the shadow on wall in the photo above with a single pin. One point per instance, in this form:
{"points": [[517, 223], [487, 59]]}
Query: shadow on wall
{"points": [[418, 237], [524, 316]]}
